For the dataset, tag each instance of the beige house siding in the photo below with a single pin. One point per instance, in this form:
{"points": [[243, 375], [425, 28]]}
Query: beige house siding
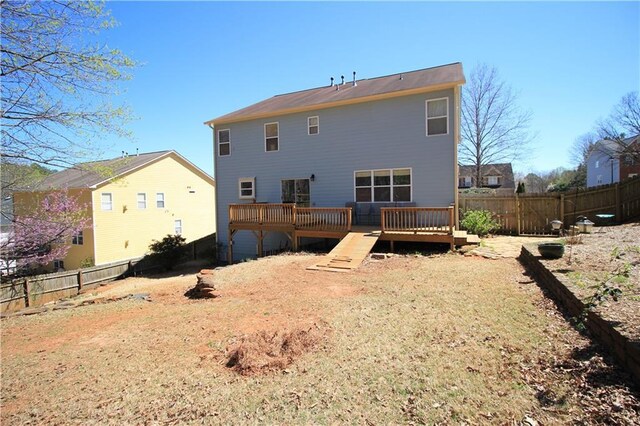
{"points": [[126, 231]]}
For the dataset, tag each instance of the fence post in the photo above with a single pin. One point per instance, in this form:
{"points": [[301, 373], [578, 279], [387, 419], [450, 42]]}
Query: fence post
{"points": [[618, 204], [562, 208], [27, 292], [517, 214], [79, 280]]}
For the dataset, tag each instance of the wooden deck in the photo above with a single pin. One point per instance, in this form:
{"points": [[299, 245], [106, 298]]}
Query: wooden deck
{"points": [[418, 224]]}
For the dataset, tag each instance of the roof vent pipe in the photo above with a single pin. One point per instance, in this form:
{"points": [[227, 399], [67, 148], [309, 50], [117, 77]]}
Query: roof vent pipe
{"points": [[401, 77], [331, 82], [342, 77], [354, 79], [122, 154], [137, 153]]}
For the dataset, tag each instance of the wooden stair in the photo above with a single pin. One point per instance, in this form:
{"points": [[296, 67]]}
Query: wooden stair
{"points": [[461, 238], [349, 253]]}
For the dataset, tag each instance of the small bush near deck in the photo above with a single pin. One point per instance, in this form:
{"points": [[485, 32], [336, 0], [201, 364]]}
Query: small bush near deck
{"points": [[169, 250], [479, 222]]}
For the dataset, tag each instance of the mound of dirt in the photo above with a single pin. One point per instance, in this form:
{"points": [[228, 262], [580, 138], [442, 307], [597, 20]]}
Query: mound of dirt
{"points": [[265, 351]]}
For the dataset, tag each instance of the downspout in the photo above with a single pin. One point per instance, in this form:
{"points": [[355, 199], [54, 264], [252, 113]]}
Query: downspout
{"points": [[456, 141]]}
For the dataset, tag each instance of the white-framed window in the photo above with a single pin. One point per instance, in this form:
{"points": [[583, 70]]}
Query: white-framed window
{"points": [[385, 185], [177, 226], [296, 191], [465, 182], [58, 264], [160, 200], [313, 125], [597, 164], [224, 142], [271, 139], [78, 239], [599, 179], [493, 180], [437, 111], [142, 200], [106, 201], [247, 188]]}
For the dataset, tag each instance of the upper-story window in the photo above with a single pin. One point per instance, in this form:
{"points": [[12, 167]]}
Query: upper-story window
{"points": [[271, 137], [599, 179], [224, 142], [106, 201], [597, 163], [78, 239], [142, 200], [493, 180], [313, 125], [177, 226], [437, 116], [160, 200]]}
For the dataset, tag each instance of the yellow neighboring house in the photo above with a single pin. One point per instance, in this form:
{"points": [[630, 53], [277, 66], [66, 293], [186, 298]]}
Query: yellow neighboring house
{"points": [[131, 200]]}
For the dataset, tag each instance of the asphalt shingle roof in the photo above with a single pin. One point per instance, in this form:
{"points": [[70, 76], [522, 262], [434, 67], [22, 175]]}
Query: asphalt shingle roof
{"points": [[87, 175], [450, 74]]}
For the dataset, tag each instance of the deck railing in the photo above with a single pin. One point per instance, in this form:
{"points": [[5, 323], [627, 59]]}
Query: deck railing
{"points": [[417, 219], [272, 214], [323, 219], [307, 218]]}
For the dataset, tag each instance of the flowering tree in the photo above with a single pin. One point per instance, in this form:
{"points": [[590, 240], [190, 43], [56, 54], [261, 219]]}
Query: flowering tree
{"points": [[44, 233]]}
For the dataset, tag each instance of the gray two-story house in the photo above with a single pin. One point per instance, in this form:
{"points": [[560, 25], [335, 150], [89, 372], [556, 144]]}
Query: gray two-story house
{"points": [[385, 141]]}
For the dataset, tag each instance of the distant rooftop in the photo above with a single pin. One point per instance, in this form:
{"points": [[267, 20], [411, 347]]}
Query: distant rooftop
{"points": [[91, 174], [399, 84]]}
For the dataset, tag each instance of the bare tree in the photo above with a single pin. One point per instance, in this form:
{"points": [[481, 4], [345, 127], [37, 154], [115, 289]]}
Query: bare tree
{"points": [[494, 129], [622, 125], [57, 82], [582, 147]]}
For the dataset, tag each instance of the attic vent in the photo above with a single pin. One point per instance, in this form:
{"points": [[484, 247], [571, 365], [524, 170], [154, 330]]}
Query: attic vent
{"points": [[342, 77], [331, 85], [354, 79]]}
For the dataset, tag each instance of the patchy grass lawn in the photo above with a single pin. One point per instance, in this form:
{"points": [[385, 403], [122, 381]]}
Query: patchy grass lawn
{"points": [[404, 340]]}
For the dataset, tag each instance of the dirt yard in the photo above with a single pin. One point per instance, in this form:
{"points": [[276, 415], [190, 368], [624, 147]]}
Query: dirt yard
{"points": [[410, 339], [609, 255]]}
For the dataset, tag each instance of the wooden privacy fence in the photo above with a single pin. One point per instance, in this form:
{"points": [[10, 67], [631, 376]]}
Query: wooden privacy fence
{"points": [[531, 214], [40, 289]]}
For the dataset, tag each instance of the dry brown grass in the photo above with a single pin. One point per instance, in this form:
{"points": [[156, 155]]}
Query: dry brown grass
{"points": [[445, 339], [265, 352]]}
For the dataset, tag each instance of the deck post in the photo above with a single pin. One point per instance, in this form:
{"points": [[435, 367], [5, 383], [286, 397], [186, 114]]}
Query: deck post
{"points": [[260, 237], [391, 245], [230, 249], [451, 223]]}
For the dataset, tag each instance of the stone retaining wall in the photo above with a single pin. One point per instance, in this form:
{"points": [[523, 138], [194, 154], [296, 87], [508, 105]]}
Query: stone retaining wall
{"points": [[625, 350]]}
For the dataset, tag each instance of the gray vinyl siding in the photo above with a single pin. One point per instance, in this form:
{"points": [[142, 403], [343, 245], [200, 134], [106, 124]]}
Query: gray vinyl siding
{"points": [[384, 134], [606, 167]]}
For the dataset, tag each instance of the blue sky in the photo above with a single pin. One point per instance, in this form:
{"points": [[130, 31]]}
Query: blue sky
{"points": [[570, 62]]}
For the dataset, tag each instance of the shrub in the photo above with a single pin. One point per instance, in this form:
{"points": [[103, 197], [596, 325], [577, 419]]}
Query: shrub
{"points": [[169, 250], [479, 222]]}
